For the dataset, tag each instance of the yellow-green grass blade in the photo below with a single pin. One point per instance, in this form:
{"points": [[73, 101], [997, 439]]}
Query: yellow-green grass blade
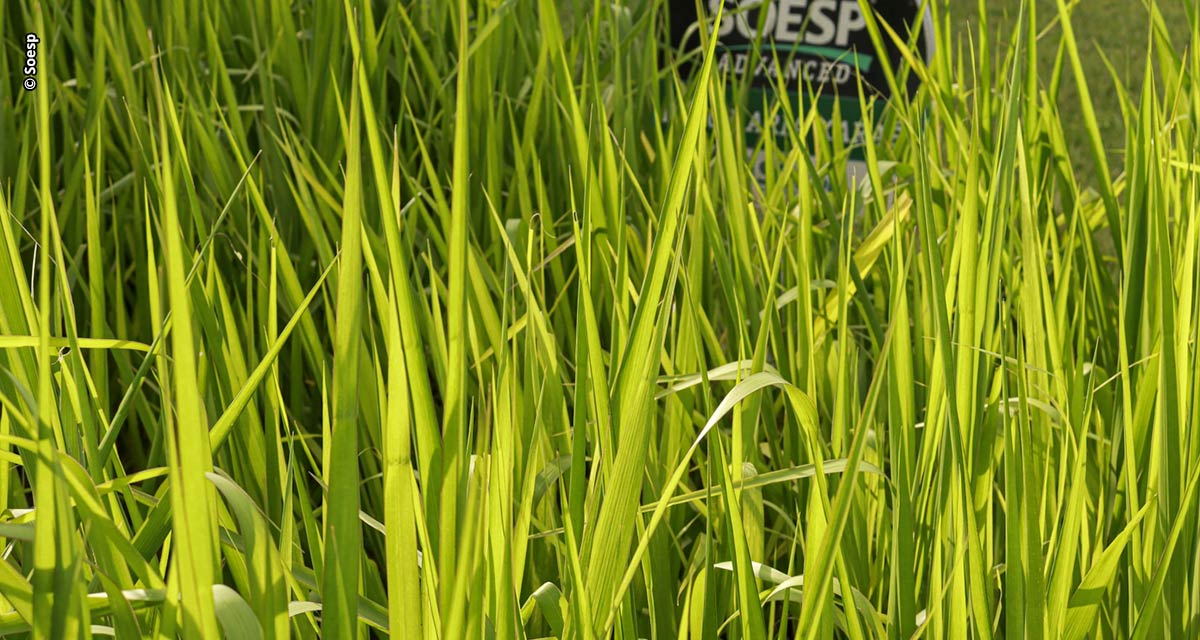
{"points": [[191, 498], [102, 344], [452, 487], [607, 548], [340, 469], [57, 602]]}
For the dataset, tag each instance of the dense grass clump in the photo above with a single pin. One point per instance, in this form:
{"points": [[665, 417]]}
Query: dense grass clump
{"points": [[467, 319]]}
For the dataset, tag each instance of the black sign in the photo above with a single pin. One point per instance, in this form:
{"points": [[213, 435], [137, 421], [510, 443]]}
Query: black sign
{"points": [[816, 49]]}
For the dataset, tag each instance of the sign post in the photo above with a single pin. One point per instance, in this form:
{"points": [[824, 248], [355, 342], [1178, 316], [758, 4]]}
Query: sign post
{"points": [[816, 50]]}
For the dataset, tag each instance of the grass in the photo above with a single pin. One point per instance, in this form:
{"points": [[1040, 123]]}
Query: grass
{"points": [[1112, 36], [467, 319]]}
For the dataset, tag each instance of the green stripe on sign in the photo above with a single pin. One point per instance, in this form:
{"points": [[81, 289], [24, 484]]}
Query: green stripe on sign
{"points": [[861, 61]]}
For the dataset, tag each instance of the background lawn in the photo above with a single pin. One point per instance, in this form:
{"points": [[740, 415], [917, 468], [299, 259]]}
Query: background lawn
{"points": [[1118, 29]]}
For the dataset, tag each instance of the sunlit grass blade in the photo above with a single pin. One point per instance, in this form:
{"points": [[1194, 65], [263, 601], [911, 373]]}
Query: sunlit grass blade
{"points": [[189, 456], [342, 532]]}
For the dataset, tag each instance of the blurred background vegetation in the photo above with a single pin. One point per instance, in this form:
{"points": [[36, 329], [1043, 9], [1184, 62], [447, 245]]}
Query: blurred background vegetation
{"points": [[1114, 30]]}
